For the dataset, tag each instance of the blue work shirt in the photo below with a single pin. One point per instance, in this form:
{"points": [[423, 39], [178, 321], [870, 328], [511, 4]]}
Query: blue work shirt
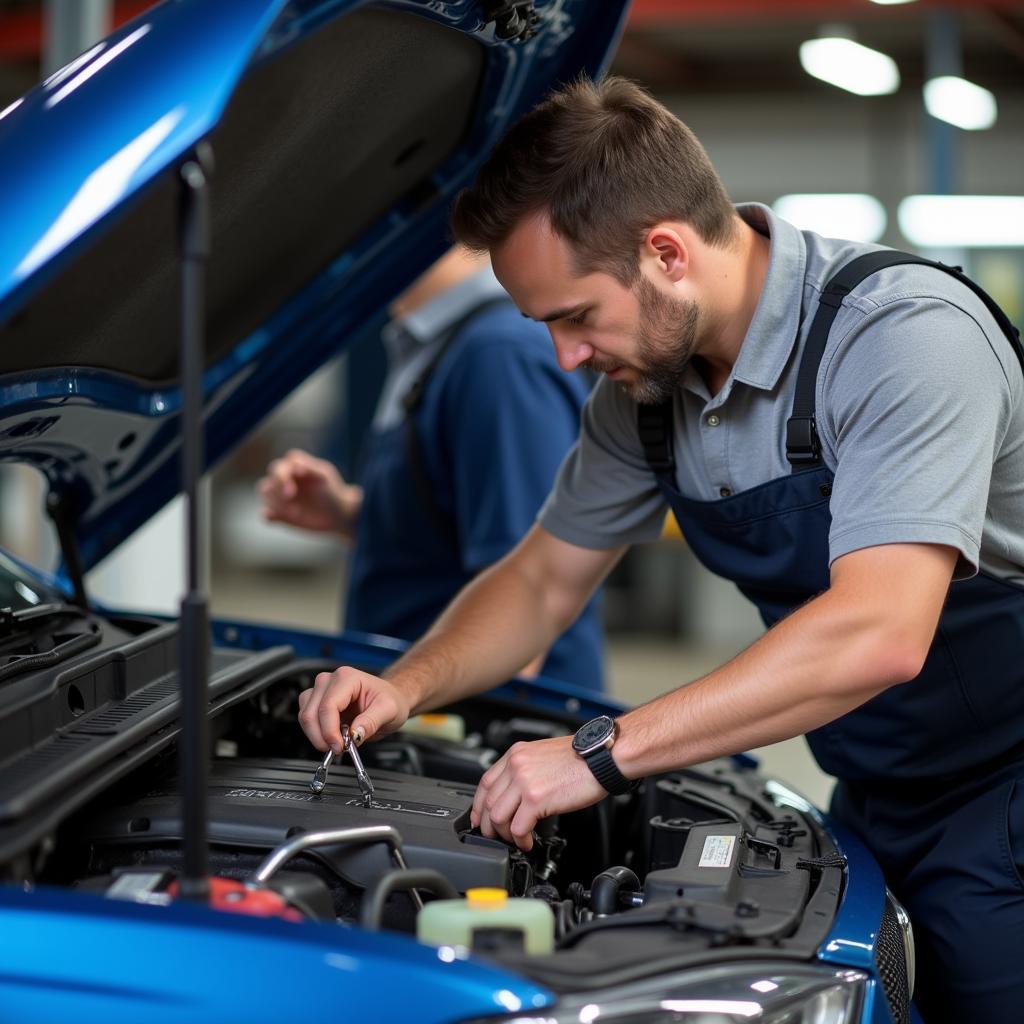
{"points": [[497, 417]]}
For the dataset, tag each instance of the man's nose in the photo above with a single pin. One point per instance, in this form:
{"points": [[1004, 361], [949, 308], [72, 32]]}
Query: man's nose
{"points": [[570, 350]]}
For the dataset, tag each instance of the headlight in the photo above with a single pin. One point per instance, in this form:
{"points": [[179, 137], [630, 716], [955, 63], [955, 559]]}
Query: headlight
{"points": [[770, 993]]}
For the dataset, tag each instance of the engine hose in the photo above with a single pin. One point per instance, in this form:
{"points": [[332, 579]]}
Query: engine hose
{"points": [[605, 889], [565, 918], [395, 881]]}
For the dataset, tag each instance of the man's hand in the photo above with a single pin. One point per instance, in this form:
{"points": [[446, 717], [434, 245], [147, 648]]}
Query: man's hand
{"points": [[370, 706], [532, 781], [302, 490]]}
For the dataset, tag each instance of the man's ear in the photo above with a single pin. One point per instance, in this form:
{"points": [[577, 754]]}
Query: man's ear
{"points": [[665, 245]]}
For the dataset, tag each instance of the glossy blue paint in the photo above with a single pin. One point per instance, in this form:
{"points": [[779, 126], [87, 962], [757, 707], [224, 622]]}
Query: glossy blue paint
{"points": [[141, 113], [852, 939], [74, 956], [86, 140], [854, 933]]}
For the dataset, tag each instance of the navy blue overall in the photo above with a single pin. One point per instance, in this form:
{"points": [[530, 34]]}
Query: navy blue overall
{"points": [[929, 769], [435, 511]]}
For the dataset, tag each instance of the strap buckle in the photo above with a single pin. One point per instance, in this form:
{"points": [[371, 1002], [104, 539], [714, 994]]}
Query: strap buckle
{"points": [[654, 426], [833, 294], [802, 447]]}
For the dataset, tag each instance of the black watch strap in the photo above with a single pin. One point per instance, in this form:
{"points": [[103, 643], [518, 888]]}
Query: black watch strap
{"points": [[606, 771]]}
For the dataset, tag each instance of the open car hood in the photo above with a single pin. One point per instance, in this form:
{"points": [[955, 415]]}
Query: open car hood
{"points": [[339, 132]]}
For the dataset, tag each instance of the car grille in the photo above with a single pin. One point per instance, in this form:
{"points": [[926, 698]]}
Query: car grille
{"points": [[891, 960]]}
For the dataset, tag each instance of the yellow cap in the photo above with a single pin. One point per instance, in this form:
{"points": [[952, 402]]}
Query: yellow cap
{"points": [[433, 719], [486, 899]]}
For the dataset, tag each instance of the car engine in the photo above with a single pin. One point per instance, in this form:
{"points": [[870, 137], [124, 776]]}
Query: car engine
{"points": [[691, 862]]}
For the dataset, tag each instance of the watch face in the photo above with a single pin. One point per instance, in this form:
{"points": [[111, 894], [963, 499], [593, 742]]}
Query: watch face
{"points": [[593, 733]]}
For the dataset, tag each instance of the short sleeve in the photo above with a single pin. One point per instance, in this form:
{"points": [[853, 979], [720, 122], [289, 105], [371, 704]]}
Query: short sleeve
{"points": [[917, 404], [606, 495]]}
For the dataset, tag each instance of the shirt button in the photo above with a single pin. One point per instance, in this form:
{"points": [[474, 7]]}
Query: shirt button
{"points": [[713, 420], [725, 492]]}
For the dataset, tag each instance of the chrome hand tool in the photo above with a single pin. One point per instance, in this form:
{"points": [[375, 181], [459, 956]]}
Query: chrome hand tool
{"points": [[320, 775], [365, 785]]}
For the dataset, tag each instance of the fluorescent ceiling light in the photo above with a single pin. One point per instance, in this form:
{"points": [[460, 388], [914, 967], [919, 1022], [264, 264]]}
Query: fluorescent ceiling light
{"points": [[954, 222], [852, 215], [960, 102], [850, 66], [890, 3]]}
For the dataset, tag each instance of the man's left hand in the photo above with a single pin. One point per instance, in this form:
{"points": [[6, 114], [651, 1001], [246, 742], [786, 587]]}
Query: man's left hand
{"points": [[529, 782]]}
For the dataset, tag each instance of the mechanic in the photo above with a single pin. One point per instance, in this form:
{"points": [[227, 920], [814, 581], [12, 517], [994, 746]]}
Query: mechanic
{"points": [[867, 498], [473, 420]]}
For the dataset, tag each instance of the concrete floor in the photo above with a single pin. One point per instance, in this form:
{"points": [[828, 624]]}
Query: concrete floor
{"points": [[639, 667]]}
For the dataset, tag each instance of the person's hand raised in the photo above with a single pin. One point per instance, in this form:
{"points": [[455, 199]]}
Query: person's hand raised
{"points": [[302, 490]]}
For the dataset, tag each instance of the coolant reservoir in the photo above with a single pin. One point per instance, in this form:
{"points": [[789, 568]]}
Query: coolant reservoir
{"points": [[444, 727], [484, 919]]}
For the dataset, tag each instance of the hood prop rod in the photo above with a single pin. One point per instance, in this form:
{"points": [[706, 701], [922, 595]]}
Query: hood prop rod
{"points": [[61, 507], [194, 629]]}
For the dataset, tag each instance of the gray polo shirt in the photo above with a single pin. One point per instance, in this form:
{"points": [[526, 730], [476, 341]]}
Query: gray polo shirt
{"points": [[412, 341], [919, 411]]}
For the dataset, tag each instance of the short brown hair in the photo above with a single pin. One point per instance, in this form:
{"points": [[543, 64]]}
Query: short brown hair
{"points": [[605, 162]]}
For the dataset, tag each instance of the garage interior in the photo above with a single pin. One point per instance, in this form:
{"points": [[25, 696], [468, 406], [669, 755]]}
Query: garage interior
{"points": [[731, 70]]}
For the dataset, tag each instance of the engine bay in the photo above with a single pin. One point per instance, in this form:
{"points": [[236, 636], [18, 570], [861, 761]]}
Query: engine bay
{"points": [[693, 863]]}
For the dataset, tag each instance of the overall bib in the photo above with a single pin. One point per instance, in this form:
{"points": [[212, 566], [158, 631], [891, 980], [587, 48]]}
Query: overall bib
{"points": [[400, 578], [928, 770], [410, 559]]}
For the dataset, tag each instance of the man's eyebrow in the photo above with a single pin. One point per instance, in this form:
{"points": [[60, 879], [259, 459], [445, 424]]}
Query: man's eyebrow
{"points": [[558, 314]]}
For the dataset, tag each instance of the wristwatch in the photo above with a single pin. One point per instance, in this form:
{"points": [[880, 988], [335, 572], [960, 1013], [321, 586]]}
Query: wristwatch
{"points": [[593, 742]]}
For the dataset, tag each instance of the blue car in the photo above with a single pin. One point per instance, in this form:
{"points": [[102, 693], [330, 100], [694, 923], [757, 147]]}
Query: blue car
{"points": [[194, 215]]}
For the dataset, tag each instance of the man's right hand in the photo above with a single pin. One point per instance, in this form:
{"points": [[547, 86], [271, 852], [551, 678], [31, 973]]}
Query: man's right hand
{"points": [[370, 706], [302, 490]]}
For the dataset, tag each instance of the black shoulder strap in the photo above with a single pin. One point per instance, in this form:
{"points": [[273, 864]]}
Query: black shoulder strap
{"points": [[411, 402], [803, 449], [654, 424]]}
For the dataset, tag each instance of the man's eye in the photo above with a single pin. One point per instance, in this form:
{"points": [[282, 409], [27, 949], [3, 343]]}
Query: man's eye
{"points": [[577, 319]]}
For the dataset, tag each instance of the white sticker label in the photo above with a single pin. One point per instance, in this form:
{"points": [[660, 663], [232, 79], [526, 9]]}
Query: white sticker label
{"points": [[717, 852], [134, 885]]}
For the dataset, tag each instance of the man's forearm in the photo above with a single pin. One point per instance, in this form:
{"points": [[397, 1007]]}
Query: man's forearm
{"points": [[763, 695], [510, 614], [827, 658], [471, 647]]}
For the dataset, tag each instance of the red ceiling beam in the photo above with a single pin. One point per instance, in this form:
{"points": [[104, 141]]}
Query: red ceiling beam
{"points": [[21, 31], [649, 13]]}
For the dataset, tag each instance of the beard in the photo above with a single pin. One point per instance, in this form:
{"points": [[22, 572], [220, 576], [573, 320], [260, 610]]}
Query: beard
{"points": [[666, 341]]}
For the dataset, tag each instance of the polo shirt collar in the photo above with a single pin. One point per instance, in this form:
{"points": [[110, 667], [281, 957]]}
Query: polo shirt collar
{"points": [[433, 318], [773, 330]]}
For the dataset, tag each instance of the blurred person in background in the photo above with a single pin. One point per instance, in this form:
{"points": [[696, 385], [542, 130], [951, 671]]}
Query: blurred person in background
{"points": [[474, 418], [840, 431]]}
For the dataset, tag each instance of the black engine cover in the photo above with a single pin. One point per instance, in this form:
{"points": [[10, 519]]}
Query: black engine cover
{"points": [[258, 805]]}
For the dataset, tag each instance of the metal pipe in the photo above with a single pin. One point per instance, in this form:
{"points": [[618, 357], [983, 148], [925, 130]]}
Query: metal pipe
{"points": [[942, 57], [335, 837], [72, 26], [194, 629]]}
